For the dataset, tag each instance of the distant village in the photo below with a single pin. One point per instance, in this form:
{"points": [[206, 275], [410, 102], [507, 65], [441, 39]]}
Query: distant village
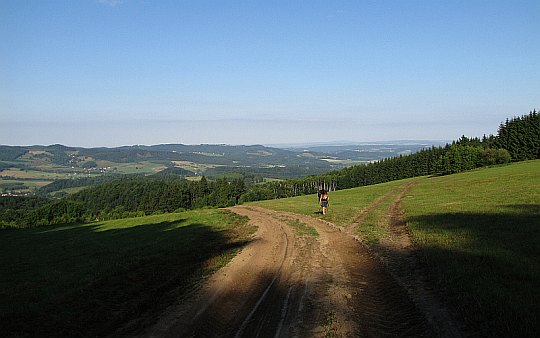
{"points": [[10, 194]]}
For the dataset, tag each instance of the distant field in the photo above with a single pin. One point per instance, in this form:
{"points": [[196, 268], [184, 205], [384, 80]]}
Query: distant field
{"points": [[30, 184], [195, 167], [33, 179], [90, 280], [477, 233], [48, 172], [144, 167], [268, 179], [32, 174]]}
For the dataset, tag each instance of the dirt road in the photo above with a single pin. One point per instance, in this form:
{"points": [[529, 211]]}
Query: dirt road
{"points": [[288, 283]]}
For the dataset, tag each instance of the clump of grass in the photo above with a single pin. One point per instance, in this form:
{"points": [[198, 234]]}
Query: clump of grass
{"points": [[302, 228], [375, 225], [331, 325]]}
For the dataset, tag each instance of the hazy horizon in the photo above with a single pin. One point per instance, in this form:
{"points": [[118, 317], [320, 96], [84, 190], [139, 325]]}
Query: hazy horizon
{"points": [[89, 134]]}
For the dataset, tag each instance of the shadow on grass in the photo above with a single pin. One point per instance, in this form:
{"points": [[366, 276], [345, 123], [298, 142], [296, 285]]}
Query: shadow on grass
{"points": [[274, 305], [487, 266], [86, 281]]}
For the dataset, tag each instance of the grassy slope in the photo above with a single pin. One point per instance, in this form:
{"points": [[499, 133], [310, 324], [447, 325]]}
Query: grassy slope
{"points": [[344, 204], [477, 232], [90, 280]]}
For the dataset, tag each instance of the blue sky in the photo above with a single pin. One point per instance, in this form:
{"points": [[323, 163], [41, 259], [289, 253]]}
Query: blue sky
{"points": [[108, 73]]}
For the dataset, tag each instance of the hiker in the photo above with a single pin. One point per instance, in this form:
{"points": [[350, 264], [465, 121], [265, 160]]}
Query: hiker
{"points": [[323, 201]]}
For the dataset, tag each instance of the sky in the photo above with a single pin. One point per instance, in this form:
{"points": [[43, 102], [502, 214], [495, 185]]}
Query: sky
{"points": [[122, 72]]}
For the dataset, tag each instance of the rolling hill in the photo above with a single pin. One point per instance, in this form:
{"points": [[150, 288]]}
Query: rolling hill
{"points": [[24, 169]]}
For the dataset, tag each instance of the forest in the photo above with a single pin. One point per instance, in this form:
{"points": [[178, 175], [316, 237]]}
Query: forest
{"points": [[517, 139]]}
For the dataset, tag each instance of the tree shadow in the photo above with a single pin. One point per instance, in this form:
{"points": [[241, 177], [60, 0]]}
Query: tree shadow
{"points": [[275, 307], [83, 280], [486, 265], [513, 227]]}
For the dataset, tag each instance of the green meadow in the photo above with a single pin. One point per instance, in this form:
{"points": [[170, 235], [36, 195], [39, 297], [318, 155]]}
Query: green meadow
{"points": [[344, 206], [92, 279], [477, 234]]}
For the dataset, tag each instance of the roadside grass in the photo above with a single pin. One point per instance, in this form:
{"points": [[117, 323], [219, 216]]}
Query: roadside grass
{"points": [[344, 207], [479, 235], [92, 279], [302, 228], [376, 223]]}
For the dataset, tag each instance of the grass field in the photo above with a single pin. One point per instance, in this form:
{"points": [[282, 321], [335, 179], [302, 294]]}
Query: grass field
{"points": [[302, 228], [35, 179], [32, 174], [195, 167], [344, 204], [90, 280], [477, 234]]}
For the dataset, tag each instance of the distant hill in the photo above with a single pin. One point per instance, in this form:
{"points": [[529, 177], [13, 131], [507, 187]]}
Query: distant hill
{"points": [[25, 169], [253, 156]]}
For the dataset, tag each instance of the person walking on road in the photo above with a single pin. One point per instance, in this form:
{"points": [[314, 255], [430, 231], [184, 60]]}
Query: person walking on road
{"points": [[323, 201]]}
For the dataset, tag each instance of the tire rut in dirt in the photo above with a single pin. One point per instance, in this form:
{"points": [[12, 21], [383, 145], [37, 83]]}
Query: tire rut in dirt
{"points": [[381, 306], [243, 299], [251, 320]]}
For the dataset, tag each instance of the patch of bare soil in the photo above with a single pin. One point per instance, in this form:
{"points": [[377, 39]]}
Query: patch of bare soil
{"points": [[285, 284]]}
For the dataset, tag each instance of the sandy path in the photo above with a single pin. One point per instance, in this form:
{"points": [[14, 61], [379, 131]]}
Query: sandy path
{"points": [[285, 284]]}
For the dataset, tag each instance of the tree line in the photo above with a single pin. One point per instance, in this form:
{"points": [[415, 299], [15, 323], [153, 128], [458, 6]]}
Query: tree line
{"points": [[517, 139], [520, 136], [122, 198]]}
